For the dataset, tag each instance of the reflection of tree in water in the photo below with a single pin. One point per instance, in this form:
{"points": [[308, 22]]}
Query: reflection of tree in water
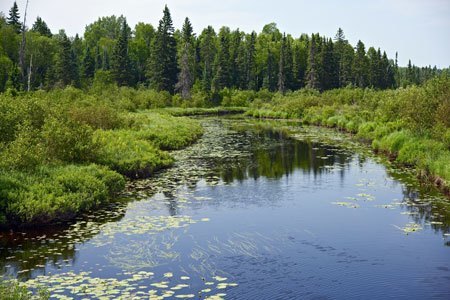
{"points": [[423, 202], [27, 252], [273, 155]]}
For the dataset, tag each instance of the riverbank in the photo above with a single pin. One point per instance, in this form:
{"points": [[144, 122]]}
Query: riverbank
{"points": [[411, 126], [65, 152]]}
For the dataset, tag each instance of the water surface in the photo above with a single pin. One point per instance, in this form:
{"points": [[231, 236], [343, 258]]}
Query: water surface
{"points": [[251, 212]]}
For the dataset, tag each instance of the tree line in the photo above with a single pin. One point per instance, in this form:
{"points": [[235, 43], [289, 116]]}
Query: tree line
{"points": [[179, 61]]}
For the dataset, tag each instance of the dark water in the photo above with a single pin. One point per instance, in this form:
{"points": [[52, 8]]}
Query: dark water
{"points": [[248, 213]]}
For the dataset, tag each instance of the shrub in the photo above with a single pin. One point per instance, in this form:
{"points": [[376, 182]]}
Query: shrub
{"points": [[56, 193], [68, 141], [125, 153]]}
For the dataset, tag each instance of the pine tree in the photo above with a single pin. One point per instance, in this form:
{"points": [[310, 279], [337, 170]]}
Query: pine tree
{"points": [[329, 78], [98, 59], [289, 64], [163, 67], [410, 73], [89, 64], [250, 63], [300, 62], [187, 61], [341, 55], [208, 50], [360, 66], [236, 59], [374, 71], [120, 63], [388, 72], [271, 71], [222, 78], [65, 72], [14, 18], [282, 66], [41, 27], [312, 76]]}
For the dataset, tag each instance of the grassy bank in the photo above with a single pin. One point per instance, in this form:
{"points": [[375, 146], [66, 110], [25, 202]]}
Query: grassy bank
{"points": [[65, 152], [410, 125]]}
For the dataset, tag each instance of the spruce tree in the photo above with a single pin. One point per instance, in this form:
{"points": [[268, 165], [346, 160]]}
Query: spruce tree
{"points": [[14, 18], [281, 67], [312, 76], [237, 59], [65, 72], [250, 63], [360, 66], [120, 63], [41, 27], [89, 64], [187, 61], [329, 78], [222, 78], [208, 51], [163, 67]]}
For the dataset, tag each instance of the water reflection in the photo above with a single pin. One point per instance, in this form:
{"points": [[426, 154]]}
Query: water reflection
{"points": [[225, 155]]}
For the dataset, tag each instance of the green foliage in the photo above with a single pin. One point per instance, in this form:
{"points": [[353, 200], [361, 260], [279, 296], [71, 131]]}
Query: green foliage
{"points": [[55, 193], [125, 153], [68, 141], [49, 137], [165, 131]]}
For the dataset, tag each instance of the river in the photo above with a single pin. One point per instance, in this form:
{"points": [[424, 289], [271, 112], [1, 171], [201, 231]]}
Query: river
{"points": [[253, 210]]}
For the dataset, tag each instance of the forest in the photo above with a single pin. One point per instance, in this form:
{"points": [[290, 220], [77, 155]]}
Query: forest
{"points": [[111, 51], [75, 118]]}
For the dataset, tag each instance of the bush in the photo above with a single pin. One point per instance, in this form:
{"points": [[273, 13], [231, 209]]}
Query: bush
{"points": [[125, 153], [56, 193], [96, 116], [68, 141]]}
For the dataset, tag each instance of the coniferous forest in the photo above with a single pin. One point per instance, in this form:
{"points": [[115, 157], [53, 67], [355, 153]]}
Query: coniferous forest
{"points": [[35, 58]]}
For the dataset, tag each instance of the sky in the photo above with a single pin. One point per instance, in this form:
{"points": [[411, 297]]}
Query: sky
{"points": [[417, 29]]}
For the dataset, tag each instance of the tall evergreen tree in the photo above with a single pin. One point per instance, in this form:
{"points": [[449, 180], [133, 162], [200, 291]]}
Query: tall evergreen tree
{"points": [[374, 71], [237, 59], [222, 78], [120, 63], [281, 67], [41, 27], [329, 78], [14, 18], [300, 62], [342, 57], [208, 51], [98, 58], [163, 67], [187, 61], [360, 66], [388, 72], [250, 63], [66, 70], [312, 74], [89, 64]]}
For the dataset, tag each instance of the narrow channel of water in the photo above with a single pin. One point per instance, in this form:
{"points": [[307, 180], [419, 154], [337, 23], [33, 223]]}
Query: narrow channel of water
{"points": [[249, 213]]}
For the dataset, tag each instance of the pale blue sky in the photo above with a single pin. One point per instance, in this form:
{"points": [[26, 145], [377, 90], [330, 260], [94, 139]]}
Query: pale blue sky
{"points": [[418, 29]]}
